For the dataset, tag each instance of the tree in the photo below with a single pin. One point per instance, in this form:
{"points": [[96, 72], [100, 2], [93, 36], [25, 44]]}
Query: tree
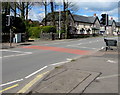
{"points": [[44, 2], [24, 8], [6, 8], [52, 11], [68, 7]]}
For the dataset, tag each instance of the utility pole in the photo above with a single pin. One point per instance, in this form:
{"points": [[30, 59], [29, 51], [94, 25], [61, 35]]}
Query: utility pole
{"points": [[59, 22], [66, 22]]}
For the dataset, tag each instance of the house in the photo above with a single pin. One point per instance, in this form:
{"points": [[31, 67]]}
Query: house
{"points": [[86, 25], [59, 19], [118, 27], [77, 24], [111, 27]]}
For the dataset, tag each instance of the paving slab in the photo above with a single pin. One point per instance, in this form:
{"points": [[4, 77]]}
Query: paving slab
{"points": [[63, 80]]}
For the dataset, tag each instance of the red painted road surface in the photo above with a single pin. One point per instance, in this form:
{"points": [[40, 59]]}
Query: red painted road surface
{"points": [[59, 49]]}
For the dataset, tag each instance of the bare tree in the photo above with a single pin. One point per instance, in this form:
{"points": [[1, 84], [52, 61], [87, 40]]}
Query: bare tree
{"points": [[6, 8], [24, 8], [52, 11], [44, 2]]}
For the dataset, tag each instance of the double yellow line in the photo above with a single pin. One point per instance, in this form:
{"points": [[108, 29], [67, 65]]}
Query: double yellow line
{"points": [[9, 88], [26, 87]]}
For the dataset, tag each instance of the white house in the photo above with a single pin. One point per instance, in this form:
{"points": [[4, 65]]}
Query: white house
{"points": [[86, 25]]}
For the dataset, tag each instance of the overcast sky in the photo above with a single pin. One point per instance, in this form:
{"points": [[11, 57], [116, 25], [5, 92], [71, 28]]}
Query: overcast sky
{"points": [[86, 8]]}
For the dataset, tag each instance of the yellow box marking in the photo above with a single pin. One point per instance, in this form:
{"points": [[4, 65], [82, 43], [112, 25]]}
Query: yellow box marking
{"points": [[9, 88], [26, 87]]}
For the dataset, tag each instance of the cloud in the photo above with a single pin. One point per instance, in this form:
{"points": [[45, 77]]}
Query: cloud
{"points": [[94, 0], [88, 7], [41, 16], [36, 13], [33, 15], [98, 6]]}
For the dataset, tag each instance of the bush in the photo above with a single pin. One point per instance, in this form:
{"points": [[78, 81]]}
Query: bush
{"points": [[19, 25], [49, 29], [34, 32], [61, 31]]}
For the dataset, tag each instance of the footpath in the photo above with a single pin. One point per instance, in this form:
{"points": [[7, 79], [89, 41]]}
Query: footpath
{"points": [[96, 73], [30, 42]]}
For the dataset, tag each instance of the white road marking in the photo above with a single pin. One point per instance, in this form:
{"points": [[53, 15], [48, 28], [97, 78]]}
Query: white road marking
{"points": [[3, 50], [110, 76], [11, 82], [111, 61], [36, 72], [60, 63], [80, 47], [69, 59], [23, 53]]}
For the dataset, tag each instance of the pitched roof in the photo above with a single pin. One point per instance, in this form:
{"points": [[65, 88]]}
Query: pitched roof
{"points": [[84, 19], [57, 13], [90, 19]]}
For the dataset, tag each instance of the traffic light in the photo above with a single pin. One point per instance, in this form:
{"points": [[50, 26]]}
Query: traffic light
{"points": [[7, 20], [104, 19]]}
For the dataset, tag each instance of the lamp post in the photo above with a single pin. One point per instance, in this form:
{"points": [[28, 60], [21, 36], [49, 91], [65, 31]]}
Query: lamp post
{"points": [[59, 22]]}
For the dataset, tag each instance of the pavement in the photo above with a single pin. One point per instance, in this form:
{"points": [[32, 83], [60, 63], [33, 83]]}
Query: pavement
{"points": [[81, 74], [96, 73], [27, 43]]}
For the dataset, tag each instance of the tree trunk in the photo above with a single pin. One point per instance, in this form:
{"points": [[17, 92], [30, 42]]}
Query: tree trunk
{"points": [[45, 13], [23, 10], [64, 15], [15, 12], [27, 10], [53, 14]]}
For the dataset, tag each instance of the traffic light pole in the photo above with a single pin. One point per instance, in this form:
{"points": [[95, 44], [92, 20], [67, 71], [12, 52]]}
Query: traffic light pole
{"points": [[10, 37], [8, 24]]}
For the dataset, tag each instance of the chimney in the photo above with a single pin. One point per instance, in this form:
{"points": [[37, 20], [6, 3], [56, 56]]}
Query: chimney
{"points": [[95, 15]]}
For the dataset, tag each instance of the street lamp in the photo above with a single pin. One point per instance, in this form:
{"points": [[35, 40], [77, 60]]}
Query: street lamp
{"points": [[59, 22]]}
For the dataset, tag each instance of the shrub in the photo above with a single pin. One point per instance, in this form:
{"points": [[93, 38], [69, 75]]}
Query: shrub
{"points": [[34, 32], [19, 25], [49, 29], [61, 31]]}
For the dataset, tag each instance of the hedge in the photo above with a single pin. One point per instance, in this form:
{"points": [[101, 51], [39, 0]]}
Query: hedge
{"points": [[49, 29], [34, 32]]}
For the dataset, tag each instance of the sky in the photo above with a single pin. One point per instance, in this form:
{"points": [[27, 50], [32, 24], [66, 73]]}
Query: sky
{"points": [[84, 7]]}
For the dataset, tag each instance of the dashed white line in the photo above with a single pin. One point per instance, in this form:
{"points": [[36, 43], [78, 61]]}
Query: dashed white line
{"points": [[60, 63], [23, 53], [110, 76], [36, 72], [11, 82], [111, 61], [80, 47]]}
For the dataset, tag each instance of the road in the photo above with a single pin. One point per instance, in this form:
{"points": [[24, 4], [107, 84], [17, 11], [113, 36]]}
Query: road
{"points": [[23, 63]]}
